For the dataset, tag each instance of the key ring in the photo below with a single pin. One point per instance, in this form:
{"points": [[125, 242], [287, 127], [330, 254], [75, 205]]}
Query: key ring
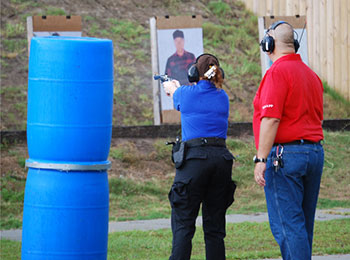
{"points": [[278, 155]]}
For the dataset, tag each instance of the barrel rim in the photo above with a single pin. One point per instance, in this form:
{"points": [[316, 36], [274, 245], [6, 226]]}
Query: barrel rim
{"points": [[77, 166], [71, 38]]}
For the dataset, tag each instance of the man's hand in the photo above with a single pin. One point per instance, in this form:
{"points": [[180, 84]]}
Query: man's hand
{"points": [[259, 173]]}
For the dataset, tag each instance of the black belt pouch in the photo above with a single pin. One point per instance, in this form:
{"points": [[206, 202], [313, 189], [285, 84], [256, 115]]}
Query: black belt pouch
{"points": [[178, 154]]}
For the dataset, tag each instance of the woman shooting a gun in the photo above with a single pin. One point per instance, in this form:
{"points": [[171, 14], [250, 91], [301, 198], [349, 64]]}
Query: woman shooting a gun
{"points": [[203, 163]]}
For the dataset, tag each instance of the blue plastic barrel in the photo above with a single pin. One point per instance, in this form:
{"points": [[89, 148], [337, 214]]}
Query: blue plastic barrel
{"points": [[69, 128], [65, 215], [70, 99]]}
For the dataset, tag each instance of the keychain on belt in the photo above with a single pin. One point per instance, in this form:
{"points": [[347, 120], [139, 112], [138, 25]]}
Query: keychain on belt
{"points": [[278, 161]]}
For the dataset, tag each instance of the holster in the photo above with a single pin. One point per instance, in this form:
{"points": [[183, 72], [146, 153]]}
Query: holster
{"points": [[178, 154]]}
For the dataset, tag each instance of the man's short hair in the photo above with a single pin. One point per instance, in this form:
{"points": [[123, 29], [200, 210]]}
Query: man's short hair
{"points": [[285, 34], [178, 33]]}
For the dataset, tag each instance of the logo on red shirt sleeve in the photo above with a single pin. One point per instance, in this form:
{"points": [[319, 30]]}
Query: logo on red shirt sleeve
{"points": [[267, 106]]}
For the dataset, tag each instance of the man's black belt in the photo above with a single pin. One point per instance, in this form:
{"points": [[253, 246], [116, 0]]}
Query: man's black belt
{"points": [[206, 141], [297, 142]]}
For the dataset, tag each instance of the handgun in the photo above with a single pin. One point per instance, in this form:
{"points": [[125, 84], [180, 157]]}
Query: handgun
{"points": [[162, 78]]}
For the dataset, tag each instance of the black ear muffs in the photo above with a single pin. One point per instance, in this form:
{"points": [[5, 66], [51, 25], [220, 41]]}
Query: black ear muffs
{"points": [[268, 43], [296, 45], [193, 73], [222, 73]]}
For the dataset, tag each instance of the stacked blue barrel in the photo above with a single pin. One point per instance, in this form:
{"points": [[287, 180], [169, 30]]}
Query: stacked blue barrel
{"points": [[69, 129]]}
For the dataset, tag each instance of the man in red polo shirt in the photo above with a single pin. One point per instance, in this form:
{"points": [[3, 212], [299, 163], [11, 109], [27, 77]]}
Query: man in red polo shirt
{"points": [[287, 124]]}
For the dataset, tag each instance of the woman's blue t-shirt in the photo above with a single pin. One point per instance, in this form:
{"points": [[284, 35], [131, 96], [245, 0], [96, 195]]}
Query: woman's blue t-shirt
{"points": [[204, 110]]}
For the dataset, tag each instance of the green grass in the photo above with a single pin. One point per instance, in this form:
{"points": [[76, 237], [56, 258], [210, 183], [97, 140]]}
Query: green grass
{"points": [[335, 105], [54, 11], [335, 183], [229, 31], [88, 18], [14, 106], [13, 30], [133, 39], [163, 151], [334, 94], [21, 161], [12, 195], [219, 8], [243, 241], [235, 43], [14, 92], [129, 33], [248, 197], [146, 198], [117, 153], [329, 203], [14, 45], [10, 250]]}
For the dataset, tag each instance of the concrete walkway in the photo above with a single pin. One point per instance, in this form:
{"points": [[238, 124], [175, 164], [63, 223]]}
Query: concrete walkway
{"points": [[325, 257], [155, 224]]}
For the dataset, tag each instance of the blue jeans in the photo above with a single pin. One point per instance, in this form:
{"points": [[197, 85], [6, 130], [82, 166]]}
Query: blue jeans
{"points": [[291, 196]]}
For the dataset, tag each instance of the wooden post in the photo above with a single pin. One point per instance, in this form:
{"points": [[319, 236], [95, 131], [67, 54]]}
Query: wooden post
{"points": [[337, 43], [162, 103], [276, 8], [316, 34], [282, 11], [328, 29], [256, 7], [155, 83], [262, 8], [330, 43], [348, 46], [289, 8], [261, 35], [69, 25], [310, 32], [29, 31], [302, 7], [296, 7], [323, 36], [345, 69], [269, 7], [249, 4]]}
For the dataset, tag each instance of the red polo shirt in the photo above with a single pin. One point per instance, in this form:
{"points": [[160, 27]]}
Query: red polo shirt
{"points": [[293, 93]]}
